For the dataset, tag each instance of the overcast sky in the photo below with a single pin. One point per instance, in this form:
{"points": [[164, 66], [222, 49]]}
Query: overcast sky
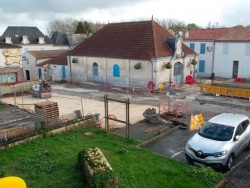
{"points": [[39, 13]]}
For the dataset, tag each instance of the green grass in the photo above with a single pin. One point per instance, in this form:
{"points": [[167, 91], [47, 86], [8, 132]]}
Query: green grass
{"points": [[3, 106], [51, 162]]}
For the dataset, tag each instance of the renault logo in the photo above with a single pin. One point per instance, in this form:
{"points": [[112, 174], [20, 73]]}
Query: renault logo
{"points": [[200, 153]]}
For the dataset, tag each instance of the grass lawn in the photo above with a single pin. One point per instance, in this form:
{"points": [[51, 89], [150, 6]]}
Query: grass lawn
{"points": [[3, 106], [51, 162]]}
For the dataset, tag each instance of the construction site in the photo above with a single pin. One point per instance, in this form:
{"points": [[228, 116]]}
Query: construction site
{"points": [[163, 106], [132, 112]]}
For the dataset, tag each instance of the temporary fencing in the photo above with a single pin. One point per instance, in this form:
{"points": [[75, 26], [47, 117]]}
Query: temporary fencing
{"points": [[175, 108]]}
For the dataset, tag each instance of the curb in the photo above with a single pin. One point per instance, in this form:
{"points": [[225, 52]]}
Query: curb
{"points": [[162, 133]]}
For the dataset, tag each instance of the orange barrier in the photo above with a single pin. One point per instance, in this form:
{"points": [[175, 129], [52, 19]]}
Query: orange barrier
{"points": [[225, 91]]}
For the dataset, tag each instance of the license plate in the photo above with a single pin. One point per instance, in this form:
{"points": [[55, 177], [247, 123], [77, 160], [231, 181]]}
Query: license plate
{"points": [[198, 164]]}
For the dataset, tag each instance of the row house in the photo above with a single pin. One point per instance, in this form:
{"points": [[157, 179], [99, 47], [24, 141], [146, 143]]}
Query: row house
{"points": [[225, 51]]}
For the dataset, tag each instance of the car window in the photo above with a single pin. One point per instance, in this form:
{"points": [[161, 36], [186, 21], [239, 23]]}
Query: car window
{"points": [[216, 131], [239, 130], [245, 124]]}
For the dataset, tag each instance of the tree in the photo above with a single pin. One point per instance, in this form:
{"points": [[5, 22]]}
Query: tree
{"points": [[86, 27], [239, 26], [70, 26], [63, 26], [79, 28], [210, 25], [193, 26], [171, 24]]}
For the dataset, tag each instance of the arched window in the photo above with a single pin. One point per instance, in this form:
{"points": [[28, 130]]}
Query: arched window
{"points": [[95, 69], [116, 71]]}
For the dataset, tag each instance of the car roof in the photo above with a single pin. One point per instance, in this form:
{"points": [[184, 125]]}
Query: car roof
{"points": [[229, 119]]}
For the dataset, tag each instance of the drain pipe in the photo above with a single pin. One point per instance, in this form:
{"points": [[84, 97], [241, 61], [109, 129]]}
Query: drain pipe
{"points": [[70, 69], [213, 56]]}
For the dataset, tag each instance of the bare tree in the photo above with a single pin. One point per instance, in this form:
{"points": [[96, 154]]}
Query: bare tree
{"points": [[64, 26], [171, 24], [70, 25], [210, 25]]}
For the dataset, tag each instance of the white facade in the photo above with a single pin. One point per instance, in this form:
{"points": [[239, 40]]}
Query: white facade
{"points": [[58, 72], [205, 58], [121, 72], [29, 67], [232, 59]]}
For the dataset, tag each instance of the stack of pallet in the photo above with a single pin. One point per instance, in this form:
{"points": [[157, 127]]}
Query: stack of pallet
{"points": [[46, 110]]}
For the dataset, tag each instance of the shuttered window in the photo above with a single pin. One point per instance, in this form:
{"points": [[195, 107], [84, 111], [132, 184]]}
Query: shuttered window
{"points": [[192, 46], [203, 48]]}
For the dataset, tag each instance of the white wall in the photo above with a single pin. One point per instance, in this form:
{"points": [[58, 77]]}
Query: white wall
{"points": [[129, 76], [207, 57], [30, 64], [224, 63], [57, 72]]}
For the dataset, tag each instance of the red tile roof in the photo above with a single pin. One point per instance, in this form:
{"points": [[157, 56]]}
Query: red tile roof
{"points": [[44, 54], [205, 34], [130, 40], [236, 34], [6, 45], [60, 59]]}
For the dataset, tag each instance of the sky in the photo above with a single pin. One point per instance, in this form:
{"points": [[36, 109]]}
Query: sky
{"points": [[39, 13]]}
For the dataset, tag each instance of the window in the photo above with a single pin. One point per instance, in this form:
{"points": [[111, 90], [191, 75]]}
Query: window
{"points": [[203, 48], [192, 46], [202, 66], [245, 124], [247, 50], [225, 49], [116, 71], [239, 130], [95, 69]]}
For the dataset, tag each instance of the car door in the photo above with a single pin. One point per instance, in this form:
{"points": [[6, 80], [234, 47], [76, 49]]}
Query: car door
{"points": [[239, 144], [245, 133]]}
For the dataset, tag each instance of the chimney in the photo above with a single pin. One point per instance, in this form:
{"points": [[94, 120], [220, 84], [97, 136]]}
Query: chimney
{"points": [[187, 34]]}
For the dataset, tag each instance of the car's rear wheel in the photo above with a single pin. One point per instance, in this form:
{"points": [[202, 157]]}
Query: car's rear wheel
{"points": [[230, 161]]}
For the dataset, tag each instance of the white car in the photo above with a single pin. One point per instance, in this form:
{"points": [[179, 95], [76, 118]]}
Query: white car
{"points": [[219, 141]]}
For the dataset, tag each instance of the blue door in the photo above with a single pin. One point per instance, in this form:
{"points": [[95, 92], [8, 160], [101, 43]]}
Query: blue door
{"points": [[201, 66], [63, 72], [40, 73]]}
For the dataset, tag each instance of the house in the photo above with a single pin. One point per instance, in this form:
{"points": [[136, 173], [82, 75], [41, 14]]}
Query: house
{"points": [[57, 68], [68, 39], [10, 70], [232, 54], [29, 38], [131, 54], [33, 58], [203, 41]]}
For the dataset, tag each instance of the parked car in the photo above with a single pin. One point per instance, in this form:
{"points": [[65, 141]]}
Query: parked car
{"points": [[219, 141]]}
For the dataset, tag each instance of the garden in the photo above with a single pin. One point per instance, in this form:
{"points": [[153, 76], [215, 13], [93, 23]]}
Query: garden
{"points": [[52, 162]]}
